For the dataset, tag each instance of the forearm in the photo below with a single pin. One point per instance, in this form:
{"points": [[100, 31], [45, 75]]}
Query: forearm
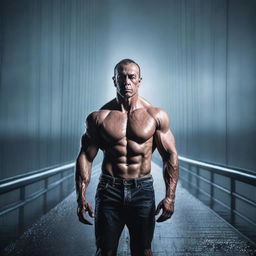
{"points": [[82, 177], [171, 175]]}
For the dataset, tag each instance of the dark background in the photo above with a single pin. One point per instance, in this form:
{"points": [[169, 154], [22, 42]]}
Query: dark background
{"points": [[198, 62]]}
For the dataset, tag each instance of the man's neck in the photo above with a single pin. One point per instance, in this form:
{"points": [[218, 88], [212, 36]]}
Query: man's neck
{"points": [[127, 104]]}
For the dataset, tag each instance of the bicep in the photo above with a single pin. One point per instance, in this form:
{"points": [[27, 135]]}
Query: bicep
{"points": [[89, 147], [165, 143], [163, 137], [89, 141]]}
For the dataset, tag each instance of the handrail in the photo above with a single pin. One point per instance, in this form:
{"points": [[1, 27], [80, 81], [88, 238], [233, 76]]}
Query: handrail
{"points": [[29, 173], [26, 179], [23, 195], [246, 177], [20, 203], [19, 182], [230, 209]]}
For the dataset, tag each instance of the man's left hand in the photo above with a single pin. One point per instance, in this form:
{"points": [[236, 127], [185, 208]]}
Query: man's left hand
{"points": [[167, 205]]}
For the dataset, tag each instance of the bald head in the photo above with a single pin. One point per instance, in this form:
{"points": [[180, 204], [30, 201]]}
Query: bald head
{"points": [[123, 62]]}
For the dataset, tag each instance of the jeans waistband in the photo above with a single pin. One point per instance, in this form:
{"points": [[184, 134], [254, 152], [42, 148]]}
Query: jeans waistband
{"points": [[130, 181]]}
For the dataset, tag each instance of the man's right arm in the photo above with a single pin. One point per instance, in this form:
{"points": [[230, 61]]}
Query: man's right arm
{"points": [[88, 151]]}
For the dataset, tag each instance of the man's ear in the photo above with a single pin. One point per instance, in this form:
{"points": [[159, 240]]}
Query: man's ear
{"points": [[114, 80], [139, 81]]}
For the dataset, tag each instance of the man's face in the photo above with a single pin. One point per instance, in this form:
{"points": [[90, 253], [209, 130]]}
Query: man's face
{"points": [[127, 80]]}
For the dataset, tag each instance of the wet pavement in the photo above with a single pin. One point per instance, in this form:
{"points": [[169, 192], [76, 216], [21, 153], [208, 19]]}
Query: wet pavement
{"points": [[193, 230]]}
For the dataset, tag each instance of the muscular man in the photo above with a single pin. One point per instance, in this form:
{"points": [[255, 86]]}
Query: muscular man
{"points": [[127, 129]]}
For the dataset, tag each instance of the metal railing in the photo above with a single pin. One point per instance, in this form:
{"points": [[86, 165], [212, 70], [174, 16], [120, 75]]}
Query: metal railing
{"points": [[31, 178], [242, 175], [234, 175], [20, 183], [42, 181]]}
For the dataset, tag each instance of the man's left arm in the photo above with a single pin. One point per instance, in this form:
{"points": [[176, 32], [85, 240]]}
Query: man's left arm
{"points": [[165, 143]]}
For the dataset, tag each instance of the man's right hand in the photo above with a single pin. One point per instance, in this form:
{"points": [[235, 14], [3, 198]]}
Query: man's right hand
{"points": [[81, 211]]}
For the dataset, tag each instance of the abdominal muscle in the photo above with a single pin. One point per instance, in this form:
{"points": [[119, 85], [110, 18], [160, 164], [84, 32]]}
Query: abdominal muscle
{"points": [[124, 162]]}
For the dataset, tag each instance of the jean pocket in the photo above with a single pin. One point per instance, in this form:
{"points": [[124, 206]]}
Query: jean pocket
{"points": [[102, 186], [147, 186]]}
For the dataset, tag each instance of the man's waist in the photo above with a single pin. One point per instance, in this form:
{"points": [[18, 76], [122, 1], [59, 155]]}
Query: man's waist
{"points": [[126, 181]]}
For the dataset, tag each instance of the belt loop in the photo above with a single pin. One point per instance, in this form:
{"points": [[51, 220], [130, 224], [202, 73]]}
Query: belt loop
{"points": [[113, 181], [135, 182]]}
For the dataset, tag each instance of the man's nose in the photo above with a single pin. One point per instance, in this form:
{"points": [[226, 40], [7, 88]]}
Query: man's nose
{"points": [[127, 80]]}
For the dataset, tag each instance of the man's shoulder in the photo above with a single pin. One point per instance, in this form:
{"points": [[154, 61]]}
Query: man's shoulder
{"points": [[161, 117], [148, 107], [156, 112], [96, 117]]}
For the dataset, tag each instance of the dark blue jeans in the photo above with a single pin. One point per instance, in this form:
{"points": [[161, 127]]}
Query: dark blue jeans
{"points": [[121, 202]]}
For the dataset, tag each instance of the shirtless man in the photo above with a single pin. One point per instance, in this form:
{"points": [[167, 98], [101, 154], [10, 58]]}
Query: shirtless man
{"points": [[127, 129]]}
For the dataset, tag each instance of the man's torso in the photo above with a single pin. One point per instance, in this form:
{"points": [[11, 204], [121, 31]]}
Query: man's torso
{"points": [[127, 139]]}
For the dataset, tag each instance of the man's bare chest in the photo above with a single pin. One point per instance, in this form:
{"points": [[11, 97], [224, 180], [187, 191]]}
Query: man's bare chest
{"points": [[138, 126]]}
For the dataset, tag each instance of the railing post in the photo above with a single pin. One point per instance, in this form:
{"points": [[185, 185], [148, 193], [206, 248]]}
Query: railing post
{"points": [[197, 181], [45, 195], [189, 177], [211, 190], [61, 187], [21, 210], [233, 201]]}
